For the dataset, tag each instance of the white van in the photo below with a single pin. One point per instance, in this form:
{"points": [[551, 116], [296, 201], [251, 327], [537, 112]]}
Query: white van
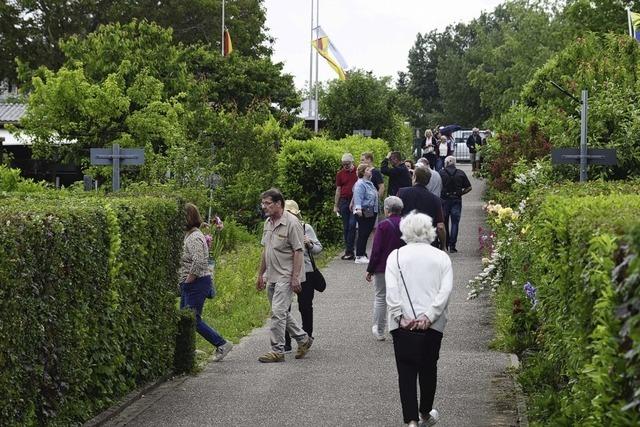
{"points": [[461, 152]]}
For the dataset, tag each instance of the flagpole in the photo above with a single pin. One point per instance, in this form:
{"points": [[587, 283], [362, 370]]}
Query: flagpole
{"points": [[629, 22], [311, 63], [315, 127], [222, 44]]}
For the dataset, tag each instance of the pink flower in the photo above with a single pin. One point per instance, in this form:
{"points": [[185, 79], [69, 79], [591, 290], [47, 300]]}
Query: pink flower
{"points": [[208, 239]]}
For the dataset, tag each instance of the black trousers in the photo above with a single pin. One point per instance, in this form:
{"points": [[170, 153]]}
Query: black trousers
{"points": [[417, 354], [365, 227], [305, 306]]}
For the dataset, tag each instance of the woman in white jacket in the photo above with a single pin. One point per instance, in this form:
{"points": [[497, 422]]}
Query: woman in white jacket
{"points": [[419, 280]]}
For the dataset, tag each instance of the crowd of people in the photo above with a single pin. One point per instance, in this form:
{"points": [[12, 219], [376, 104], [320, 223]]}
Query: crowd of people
{"points": [[408, 263]]}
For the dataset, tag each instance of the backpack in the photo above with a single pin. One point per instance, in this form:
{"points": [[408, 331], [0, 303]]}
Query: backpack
{"points": [[450, 189]]}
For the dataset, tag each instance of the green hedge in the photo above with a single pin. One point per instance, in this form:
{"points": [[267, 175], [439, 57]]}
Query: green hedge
{"points": [[307, 173], [87, 302], [574, 365]]}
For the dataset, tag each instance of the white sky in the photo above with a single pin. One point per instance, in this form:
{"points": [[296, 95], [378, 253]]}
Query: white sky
{"points": [[373, 35]]}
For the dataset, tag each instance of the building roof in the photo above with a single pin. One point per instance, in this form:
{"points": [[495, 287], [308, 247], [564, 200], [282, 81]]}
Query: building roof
{"points": [[11, 113]]}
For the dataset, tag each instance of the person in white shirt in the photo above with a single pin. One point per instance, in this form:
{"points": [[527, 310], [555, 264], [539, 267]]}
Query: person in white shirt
{"points": [[419, 280], [435, 182]]}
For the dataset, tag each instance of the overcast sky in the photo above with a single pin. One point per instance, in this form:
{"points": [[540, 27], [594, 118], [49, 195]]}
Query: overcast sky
{"points": [[374, 35]]}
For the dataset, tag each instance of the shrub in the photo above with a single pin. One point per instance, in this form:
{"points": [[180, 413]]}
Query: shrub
{"points": [[87, 302], [575, 350], [307, 173]]}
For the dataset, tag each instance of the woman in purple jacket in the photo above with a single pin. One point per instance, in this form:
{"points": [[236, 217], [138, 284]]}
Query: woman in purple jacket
{"points": [[386, 239]]}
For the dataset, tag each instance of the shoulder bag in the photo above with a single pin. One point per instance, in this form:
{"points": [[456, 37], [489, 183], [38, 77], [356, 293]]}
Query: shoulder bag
{"points": [[315, 277]]}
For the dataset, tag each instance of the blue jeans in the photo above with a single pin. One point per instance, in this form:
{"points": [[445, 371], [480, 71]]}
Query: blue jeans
{"points": [[439, 163], [192, 296], [452, 210], [348, 225]]}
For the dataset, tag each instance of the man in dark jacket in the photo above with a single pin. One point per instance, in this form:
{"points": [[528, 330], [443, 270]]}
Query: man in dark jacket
{"points": [[454, 185], [473, 143], [398, 173], [424, 201]]}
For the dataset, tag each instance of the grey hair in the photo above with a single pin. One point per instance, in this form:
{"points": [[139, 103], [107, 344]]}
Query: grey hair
{"points": [[449, 160], [422, 162], [347, 157], [417, 227], [393, 204]]}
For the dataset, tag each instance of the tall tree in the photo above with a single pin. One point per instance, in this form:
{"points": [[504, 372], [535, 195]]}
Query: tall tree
{"points": [[42, 24], [363, 101], [516, 39]]}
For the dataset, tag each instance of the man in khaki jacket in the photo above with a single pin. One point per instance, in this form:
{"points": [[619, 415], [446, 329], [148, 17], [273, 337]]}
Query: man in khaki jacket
{"points": [[281, 272]]}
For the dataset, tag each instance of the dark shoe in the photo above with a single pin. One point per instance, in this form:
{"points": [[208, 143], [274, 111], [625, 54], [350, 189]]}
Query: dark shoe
{"points": [[348, 257], [287, 349], [453, 250]]}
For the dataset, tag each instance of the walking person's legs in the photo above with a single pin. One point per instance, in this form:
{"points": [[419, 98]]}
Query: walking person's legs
{"points": [[455, 212], [379, 306], [407, 375], [365, 227], [193, 296], [348, 226], [446, 212], [428, 372], [305, 306]]}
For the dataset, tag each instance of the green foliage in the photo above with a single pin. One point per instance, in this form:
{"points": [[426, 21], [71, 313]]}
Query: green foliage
{"points": [[575, 349], [184, 355], [469, 72], [364, 101], [30, 31], [307, 172], [87, 291], [11, 181], [605, 65]]}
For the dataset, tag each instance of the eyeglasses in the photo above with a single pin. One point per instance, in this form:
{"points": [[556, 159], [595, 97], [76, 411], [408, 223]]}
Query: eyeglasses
{"points": [[346, 164], [266, 203]]}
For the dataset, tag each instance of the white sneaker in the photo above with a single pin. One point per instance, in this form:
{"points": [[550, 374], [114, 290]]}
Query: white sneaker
{"points": [[362, 260], [434, 416], [376, 334], [222, 351]]}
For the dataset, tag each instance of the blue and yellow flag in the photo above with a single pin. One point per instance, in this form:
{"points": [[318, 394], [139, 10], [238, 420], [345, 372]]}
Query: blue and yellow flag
{"points": [[635, 23]]}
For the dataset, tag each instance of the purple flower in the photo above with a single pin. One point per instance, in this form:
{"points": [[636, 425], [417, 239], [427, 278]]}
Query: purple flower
{"points": [[208, 239], [530, 291]]}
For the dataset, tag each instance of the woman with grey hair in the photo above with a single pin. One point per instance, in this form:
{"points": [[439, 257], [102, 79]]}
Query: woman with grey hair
{"points": [[419, 280], [386, 239]]}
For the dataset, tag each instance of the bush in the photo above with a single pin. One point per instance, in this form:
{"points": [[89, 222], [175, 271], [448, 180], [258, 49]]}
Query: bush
{"points": [[566, 246], [307, 173], [11, 181], [87, 302]]}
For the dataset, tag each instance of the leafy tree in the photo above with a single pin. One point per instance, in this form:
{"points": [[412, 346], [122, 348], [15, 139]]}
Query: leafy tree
{"points": [[422, 68], [363, 101], [596, 15], [32, 29], [516, 39]]}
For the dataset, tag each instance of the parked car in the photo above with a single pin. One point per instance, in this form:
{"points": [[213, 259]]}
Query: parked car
{"points": [[460, 139]]}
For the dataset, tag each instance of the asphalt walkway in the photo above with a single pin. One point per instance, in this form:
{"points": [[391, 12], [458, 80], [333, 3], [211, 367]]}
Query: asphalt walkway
{"points": [[348, 378]]}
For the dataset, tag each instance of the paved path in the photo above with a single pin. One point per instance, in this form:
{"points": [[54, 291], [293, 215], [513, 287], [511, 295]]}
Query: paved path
{"points": [[347, 378]]}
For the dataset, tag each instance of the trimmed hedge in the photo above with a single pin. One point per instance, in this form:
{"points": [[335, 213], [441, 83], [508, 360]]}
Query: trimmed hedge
{"points": [[576, 358], [87, 302], [307, 173]]}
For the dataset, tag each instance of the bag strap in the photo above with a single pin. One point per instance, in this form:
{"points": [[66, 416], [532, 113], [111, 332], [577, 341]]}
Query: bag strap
{"points": [[405, 283], [313, 262]]}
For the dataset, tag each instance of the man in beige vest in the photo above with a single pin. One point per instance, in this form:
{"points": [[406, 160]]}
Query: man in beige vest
{"points": [[281, 272]]}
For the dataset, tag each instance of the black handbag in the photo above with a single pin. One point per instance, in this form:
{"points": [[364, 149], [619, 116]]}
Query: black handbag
{"points": [[315, 277]]}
